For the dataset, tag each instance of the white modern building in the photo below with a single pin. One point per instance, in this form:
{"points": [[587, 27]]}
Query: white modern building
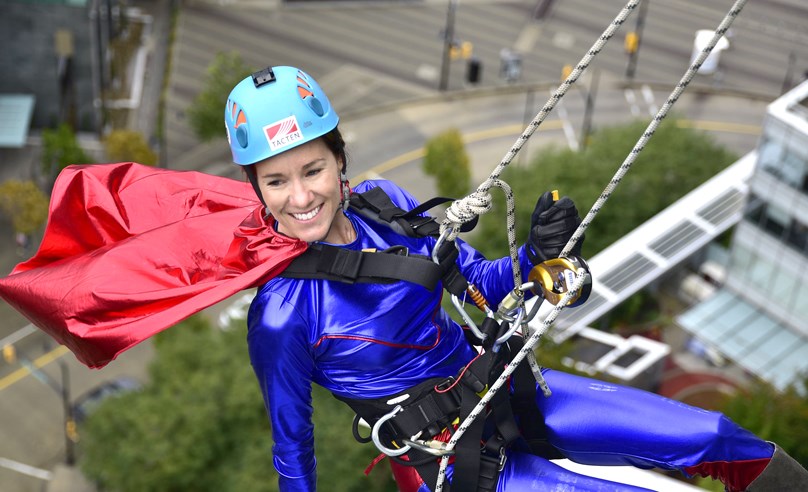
{"points": [[754, 308], [759, 317]]}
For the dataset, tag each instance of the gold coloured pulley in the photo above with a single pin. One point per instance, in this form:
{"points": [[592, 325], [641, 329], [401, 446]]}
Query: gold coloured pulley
{"points": [[552, 279]]}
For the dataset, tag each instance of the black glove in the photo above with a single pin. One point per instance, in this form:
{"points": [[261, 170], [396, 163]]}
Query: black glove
{"points": [[551, 226]]}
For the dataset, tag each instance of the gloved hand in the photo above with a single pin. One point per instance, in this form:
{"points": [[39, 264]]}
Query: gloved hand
{"points": [[551, 226]]}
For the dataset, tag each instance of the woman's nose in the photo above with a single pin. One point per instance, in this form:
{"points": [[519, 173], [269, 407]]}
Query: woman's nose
{"points": [[300, 194]]}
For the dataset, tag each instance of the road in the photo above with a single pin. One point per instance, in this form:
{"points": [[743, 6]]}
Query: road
{"points": [[380, 63]]}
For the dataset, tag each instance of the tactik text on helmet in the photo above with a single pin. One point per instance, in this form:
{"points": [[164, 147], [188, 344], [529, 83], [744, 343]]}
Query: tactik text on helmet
{"points": [[274, 110]]}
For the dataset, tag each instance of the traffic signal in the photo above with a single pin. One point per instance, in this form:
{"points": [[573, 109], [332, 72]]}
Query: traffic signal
{"points": [[631, 43], [461, 50], [9, 353], [566, 70]]}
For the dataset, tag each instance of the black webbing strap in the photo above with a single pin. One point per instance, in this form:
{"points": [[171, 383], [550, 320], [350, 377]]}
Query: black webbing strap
{"points": [[322, 261], [376, 205]]}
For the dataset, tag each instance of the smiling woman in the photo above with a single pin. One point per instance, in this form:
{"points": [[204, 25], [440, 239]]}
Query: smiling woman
{"points": [[381, 342]]}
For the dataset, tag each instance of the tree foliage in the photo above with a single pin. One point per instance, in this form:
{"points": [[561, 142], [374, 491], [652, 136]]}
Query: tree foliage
{"points": [[200, 425], [25, 204], [206, 115], [446, 160], [129, 146], [61, 149], [675, 161], [775, 416]]}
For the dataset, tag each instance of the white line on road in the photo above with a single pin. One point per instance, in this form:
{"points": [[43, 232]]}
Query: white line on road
{"points": [[632, 101], [648, 95], [17, 335], [26, 469], [569, 132]]}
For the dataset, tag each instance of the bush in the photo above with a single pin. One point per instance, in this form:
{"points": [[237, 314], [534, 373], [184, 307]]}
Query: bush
{"points": [[61, 149], [25, 204], [446, 160], [207, 113], [126, 146]]}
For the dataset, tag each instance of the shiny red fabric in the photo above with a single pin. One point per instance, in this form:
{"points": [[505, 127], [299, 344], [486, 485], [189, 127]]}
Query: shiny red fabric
{"points": [[131, 250]]}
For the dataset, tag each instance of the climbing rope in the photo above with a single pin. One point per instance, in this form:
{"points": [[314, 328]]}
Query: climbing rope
{"points": [[479, 202]]}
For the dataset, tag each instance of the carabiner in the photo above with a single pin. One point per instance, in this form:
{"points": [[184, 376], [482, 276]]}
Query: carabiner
{"points": [[435, 448], [374, 434], [514, 326]]}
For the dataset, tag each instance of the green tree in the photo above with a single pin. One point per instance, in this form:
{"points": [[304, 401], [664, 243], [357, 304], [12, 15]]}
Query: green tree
{"points": [[200, 425], [206, 115], [675, 161], [25, 204], [446, 160], [777, 416], [129, 146], [61, 149]]}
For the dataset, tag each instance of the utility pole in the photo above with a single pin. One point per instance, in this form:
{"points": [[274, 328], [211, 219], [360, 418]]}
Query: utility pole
{"points": [[448, 40], [586, 127], [634, 39]]}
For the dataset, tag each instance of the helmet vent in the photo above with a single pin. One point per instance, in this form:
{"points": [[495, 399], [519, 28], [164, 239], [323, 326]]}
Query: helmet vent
{"points": [[315, 105]]}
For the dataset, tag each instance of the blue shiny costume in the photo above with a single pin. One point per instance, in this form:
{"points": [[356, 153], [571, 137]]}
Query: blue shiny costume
{"points": [[365, 341]]}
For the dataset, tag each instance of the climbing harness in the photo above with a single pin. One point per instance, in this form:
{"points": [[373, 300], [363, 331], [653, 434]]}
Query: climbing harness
{"points": [[479, 202], [324, 261]]}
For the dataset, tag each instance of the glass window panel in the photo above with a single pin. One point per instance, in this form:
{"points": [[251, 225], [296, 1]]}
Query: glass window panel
{"points": [[800, 304], [761, 271]]}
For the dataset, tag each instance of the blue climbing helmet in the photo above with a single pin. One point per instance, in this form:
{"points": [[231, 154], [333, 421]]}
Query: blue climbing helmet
{"points": [[274, 110]]}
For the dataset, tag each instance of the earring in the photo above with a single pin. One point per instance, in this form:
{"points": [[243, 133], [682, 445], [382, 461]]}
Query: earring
{"points": [[345, 187]]}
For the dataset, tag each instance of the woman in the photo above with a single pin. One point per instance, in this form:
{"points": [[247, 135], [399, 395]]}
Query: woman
{"points": [[376, 345]]}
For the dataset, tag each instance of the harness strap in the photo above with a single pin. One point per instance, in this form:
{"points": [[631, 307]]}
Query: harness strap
{"points": [[323, 261]]}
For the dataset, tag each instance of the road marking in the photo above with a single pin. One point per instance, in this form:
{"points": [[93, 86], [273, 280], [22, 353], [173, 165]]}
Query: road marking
{"points": [[569, 132], [473, 137], [39, 363], [18, 335], [26, 469], [631, 99], [648, 95], [720, 126]]}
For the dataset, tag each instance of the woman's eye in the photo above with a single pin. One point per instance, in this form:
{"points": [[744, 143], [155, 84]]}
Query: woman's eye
{"points": [[273, 183], [313, 172]]}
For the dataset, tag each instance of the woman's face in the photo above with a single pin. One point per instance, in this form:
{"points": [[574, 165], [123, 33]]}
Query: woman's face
{"points": [[301, 189]]}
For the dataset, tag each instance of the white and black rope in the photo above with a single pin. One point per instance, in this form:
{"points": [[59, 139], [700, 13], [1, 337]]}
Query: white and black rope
{"points": [[461, 211]]}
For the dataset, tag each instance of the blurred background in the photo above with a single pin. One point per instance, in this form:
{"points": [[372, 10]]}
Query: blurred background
{"points": [[699, 258]]}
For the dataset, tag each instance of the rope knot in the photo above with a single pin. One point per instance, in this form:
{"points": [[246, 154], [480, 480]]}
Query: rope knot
{"points": [[465, 210]]}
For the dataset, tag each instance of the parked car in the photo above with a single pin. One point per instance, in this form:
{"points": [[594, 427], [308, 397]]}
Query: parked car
{"points": [[91, 400]]}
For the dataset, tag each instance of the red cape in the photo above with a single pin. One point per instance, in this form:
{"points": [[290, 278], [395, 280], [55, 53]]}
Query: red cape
{"points": [[131, 250]]}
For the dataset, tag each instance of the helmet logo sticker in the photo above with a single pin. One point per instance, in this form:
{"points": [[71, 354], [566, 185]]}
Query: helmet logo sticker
{"points": [[283, 133]]}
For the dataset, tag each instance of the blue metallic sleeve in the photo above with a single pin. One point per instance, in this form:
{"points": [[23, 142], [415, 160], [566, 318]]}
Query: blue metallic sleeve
{"points": [[283, 363]]}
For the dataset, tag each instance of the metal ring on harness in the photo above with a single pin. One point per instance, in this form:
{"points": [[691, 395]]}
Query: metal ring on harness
{"points": [[514, 326], [424, 446], [374, 434]]}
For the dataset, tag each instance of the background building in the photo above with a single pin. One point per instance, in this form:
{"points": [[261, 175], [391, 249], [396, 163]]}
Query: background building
{"points": [[56, 54], [759, 317]]}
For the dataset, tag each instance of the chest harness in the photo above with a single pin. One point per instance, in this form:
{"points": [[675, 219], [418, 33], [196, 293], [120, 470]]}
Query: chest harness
{"points": [[405, 426]]}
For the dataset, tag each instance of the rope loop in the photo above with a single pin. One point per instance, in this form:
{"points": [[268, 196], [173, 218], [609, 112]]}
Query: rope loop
{"points": [[465, 210]]}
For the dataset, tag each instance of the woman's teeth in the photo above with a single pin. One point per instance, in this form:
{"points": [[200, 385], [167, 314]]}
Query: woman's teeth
{"points": [[307, 215]]}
